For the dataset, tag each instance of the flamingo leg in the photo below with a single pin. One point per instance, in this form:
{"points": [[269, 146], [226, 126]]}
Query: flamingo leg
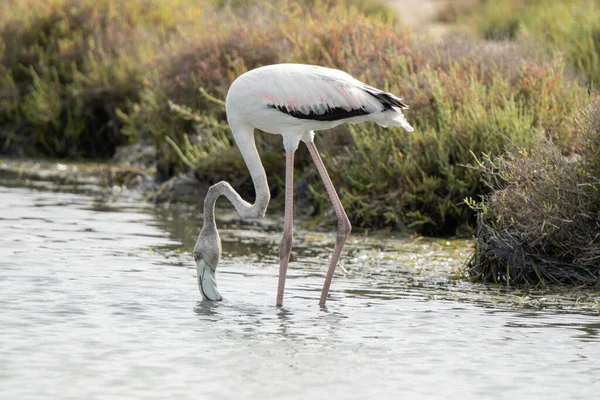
{"points": [[288, 225], [344, 227]]}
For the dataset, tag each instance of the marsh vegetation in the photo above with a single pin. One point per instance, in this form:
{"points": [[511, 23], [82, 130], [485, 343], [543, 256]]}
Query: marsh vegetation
{"points": [[81, 78]]}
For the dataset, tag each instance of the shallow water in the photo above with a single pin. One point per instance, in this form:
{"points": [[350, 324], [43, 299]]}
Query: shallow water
{"points": [[99, 300]]}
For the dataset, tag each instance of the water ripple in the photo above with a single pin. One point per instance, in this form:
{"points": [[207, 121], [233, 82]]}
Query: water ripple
{"points": [[100, 301]]}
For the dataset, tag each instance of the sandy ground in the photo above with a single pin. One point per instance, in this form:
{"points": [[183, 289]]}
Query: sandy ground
{"points": [[420, 15], [416, 13]]}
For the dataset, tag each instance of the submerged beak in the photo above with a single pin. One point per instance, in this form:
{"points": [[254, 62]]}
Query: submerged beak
{"points": [[207, 283]]}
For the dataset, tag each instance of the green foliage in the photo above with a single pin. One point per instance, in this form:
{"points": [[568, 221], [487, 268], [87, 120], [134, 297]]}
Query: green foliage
{"points": [[81, 77], [68, 65], [541, 223], [394, 178], [465, 99]]}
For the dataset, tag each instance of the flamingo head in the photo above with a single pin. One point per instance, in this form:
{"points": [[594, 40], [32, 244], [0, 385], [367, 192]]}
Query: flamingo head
{"points": [[207, 253]]}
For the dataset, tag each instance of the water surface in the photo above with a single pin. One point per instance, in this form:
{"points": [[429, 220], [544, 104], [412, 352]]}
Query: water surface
{"points": [[99, 300]]}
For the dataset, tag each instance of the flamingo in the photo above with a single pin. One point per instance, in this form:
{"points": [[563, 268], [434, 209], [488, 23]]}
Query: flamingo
{"points": [[292, 100]]}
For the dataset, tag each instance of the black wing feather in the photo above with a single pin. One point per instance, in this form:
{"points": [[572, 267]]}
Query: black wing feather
{"points": [[387, 99], [330, 114]]}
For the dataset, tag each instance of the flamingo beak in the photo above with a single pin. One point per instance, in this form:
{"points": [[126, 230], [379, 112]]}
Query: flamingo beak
{"points": [[207, 283]]}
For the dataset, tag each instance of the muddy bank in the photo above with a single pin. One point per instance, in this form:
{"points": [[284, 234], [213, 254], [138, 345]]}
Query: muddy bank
{"points": [[119, 178]]}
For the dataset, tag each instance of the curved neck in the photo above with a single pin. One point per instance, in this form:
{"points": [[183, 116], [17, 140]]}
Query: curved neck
{"points": [[244, 138]]}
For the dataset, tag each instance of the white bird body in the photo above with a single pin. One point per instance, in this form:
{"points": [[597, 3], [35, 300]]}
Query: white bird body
{"points": [[323, 98], [292, 100]]}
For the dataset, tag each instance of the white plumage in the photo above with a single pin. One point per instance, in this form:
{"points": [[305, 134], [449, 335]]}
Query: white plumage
{"points": [[305, 89], [292, 100]]}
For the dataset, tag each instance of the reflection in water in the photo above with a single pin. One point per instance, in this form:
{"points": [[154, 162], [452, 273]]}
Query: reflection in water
{"points": [[207, 308], [588, 332], [285, 320], [99, 300]]}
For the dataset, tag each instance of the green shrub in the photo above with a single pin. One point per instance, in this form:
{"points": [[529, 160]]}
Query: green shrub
{"points": [[69, 65], [541, 223], [82, 77], [467, 97], [416, 179]]}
